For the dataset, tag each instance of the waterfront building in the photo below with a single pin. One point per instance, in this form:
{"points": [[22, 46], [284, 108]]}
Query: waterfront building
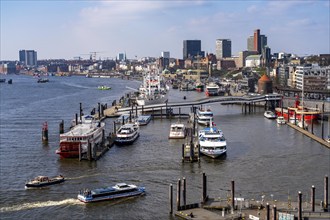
{"points": [[223, 48], [312, 77], [192, 49], [265, 85], [253, 61], [28, 57]]}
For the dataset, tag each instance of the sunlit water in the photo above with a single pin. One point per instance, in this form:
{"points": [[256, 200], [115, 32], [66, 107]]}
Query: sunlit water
{"points": [[262, 158]]}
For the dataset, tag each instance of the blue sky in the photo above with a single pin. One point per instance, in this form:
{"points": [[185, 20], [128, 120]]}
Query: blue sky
{"points": [[67, 29]]}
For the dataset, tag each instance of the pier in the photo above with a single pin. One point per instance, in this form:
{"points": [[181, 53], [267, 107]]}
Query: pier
{"points": [[234, 207]]}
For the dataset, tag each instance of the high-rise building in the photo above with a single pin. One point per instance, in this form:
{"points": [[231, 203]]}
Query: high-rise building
{"points": [[165, 54], [191, 49], [121, 56], [256, 41], [250, 43], [28, 57], [223, 48]]}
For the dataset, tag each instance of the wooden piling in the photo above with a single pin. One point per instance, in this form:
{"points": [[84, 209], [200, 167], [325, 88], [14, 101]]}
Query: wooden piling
{"points": [[45, 132], [79, 151], [326, 201], [299, 205], [274, 213], [89, 151], [61, 127], [99, 109], [184, 191], [80, 111], [233, 194], [267, 212], [313, 198], [171, 198], [204, 189], [182, 151], [178, 195]]}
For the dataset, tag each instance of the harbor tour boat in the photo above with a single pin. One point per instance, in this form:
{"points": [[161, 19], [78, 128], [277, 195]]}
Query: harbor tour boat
{"points": [[269, 114], [212, 141], [41, 181], [76, 140], [204, 116], [120, 190], [212, 89], [153, 90], [177, 131], [127, 134], [281, 120]]}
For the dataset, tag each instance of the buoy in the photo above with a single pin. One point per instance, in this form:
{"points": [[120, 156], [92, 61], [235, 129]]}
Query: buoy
{"points": [[184, 97]]}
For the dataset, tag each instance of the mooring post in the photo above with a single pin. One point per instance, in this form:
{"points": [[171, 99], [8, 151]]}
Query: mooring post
{"points": [[191, 151], [136, 112], [178, 195], [182, 152], [184, 190], [322, 121], [114, 127], [268, 212], [312, 127], [171, 198], [326, 202], [161, 112], [143, 110], [233, 194], [299, 205], [130, 116], [99, 110], [204, 184], [80, 111], [199, 152], [45, 132], [79, 151], [313, 198], [62, 127], [89, 151], [274, 213]]}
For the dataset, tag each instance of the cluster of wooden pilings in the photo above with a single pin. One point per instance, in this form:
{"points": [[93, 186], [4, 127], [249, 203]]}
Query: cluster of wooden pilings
{"points": [[255, 209]]}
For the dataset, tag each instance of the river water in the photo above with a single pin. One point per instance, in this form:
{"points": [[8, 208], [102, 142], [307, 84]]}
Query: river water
{"points": [[263, 158]]}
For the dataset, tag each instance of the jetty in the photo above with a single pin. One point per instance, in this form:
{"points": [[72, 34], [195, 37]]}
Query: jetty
{"points": [[238, 208]]}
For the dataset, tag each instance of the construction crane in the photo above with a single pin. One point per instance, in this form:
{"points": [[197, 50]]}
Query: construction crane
{"points": [[93, 54]]}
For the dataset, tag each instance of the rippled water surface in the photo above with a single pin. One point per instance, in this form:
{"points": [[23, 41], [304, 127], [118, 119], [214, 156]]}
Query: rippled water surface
{"points": [[262, 157]]}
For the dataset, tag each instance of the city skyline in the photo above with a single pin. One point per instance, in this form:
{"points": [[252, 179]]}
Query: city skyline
{"points": [[68, 29]]}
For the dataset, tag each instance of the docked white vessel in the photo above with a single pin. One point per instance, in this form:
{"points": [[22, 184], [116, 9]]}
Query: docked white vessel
{"points": [[269, 114], [127, 134], [212, 142], [204, 116], [76, 140], [177, 131], [212, 89], [153, 90]]}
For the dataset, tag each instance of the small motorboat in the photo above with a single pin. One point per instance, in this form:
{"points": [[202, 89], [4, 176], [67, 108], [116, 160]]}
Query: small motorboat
{"points": [[42, 80], [104, 87], [177, 131], [41, 181], [269, 114], [280, 120]]}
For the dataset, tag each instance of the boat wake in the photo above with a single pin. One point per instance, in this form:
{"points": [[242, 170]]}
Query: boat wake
{"points": [[76, 85], [33, 205], [132, 88]]}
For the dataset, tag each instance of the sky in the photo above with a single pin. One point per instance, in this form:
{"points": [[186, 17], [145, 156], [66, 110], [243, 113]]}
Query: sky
{"points": [[63, 29]]}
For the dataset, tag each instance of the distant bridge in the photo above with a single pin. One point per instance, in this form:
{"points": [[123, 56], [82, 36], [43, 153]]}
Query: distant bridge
{"points": [[215, 99]]}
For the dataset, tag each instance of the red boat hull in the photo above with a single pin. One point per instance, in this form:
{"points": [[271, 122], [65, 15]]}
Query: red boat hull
{"points": [[308, 116], [69, 149]]}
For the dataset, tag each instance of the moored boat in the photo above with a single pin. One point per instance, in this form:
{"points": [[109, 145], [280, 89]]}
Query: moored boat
{"points": [[269, 114], [43, 80], [212, 141], [212, 89], [280, 120], [76, 140], [41, 181], [143, 119], [127, 134], [120, 190], [153, 90], [177, 131], [204, 116]]}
